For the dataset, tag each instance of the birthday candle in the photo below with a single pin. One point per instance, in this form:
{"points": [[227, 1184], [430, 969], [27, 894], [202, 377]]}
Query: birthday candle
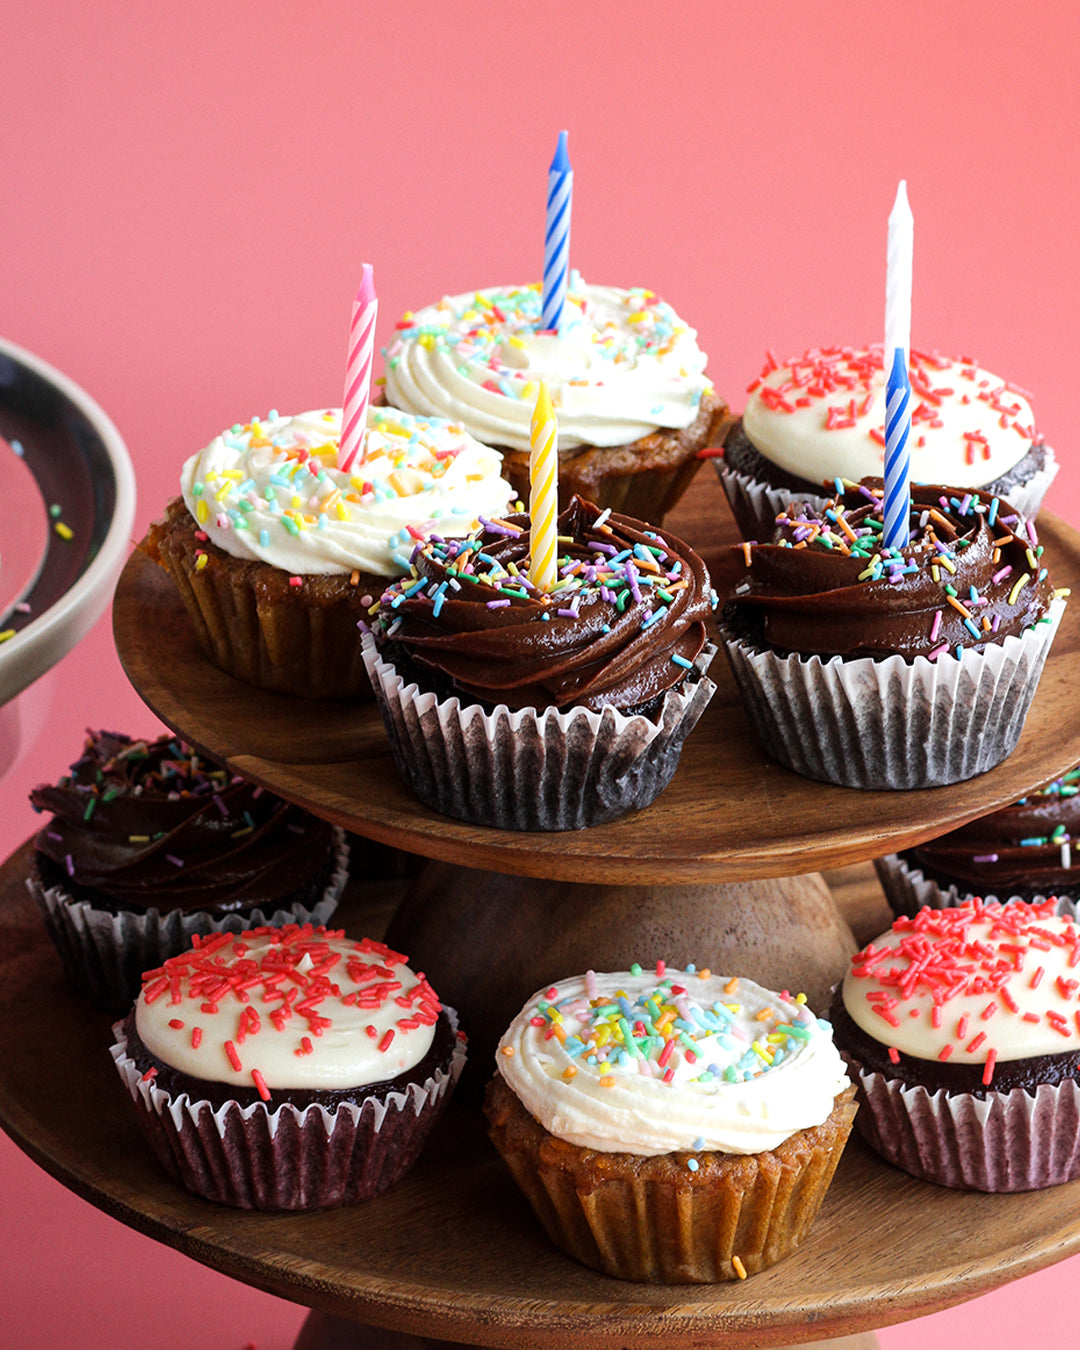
{"points": [[543, 492], [358, 371], [897, 504], [557, 237]]}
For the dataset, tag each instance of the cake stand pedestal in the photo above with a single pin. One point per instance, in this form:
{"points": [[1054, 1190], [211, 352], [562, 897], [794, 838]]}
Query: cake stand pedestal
{"points": [[452, 1252]]}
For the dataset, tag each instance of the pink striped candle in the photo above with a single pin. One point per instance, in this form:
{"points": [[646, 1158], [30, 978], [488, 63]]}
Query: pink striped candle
{"points": [[358, 372]]}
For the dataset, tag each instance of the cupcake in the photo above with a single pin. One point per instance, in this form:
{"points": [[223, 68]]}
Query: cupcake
{"points": [[513, 707], [1022, 852], [287, 1068], [885, 668], [149, 845], [962, 1030], [822, 417], [277, 552], [625, 373], [677, 1127]]}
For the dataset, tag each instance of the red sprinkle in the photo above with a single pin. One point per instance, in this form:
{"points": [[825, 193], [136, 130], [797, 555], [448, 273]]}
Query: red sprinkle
{"points": [[388, 1036], [234, 1058], [260, 1083]]}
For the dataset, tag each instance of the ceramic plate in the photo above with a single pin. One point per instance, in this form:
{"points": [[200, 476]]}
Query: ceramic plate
{"points": [[70, 492]]}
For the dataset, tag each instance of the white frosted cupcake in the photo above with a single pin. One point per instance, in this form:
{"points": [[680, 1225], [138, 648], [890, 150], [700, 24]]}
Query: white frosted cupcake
{"points": [[821, 417], [672, 1126], [289, 1068], [961, 1027], [278, 552], [626, 377]]}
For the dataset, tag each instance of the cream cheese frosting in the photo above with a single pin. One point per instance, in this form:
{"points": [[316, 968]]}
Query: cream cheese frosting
{"points": [[291, 1008], [271, 490], [822, 416], [974, 984], [652, 1062], [622, 364]]}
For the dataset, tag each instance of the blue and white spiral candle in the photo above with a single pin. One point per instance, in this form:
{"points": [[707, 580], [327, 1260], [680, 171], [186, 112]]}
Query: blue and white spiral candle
{"points": [[557, 237], [897, 504]]}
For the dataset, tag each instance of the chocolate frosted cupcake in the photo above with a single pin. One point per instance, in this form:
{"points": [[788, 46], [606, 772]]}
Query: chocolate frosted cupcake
{"points": [[672, 1126], [961, 1027], [625, 374], [150, 844], [509, 706], [277, 550], [885, 668], [821, 418], [1022, 852], [288, 1068]]}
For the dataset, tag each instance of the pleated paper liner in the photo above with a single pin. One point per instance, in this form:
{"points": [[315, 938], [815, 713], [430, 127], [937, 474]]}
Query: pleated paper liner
{"points": [[529, 770], [272, 1156], [1011, 1141], [890, 723], [653, 1218]]}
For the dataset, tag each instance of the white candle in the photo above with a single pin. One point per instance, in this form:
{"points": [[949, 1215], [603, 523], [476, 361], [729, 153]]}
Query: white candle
{"points": [[898, 279]]}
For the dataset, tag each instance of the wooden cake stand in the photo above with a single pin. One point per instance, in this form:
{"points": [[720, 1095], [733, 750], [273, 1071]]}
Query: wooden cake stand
{"points": [[453, 1251]]}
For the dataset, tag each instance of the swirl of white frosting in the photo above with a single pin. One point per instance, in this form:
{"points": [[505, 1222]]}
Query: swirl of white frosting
{"points": [[359, 1014], [969, 982], [823, 417], [271, 490], [652, 1063], [622, 365]]}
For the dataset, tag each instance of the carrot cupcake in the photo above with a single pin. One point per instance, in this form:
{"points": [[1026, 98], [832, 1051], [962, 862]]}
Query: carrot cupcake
{"points": [[625, 374], [672, 1126], [277, 552]]}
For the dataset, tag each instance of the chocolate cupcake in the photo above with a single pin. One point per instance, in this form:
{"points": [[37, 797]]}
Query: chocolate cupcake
{"points": [[288, 1068], [892, 668], [625, 374], [277, 550], [150, 844], [514, 707], [1022, 852], [960, 1027], [821, 418], [671, 1126]]}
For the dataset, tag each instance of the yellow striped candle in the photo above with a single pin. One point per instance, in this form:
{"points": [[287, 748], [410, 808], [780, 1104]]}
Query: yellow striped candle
{"points": [[543, 492]]}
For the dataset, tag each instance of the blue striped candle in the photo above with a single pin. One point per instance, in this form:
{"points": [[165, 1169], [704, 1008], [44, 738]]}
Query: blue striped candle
{"points": [[897, 505], [557, 237]]}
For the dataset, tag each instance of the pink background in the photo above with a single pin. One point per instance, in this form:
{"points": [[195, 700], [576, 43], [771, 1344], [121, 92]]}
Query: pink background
{"points": [[188, 192]]}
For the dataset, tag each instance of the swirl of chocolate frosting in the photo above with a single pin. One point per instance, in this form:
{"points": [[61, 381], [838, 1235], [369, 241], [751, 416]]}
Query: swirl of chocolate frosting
{"points": [[152, 825], [623, 625], [970, 575], [1023, 849]]}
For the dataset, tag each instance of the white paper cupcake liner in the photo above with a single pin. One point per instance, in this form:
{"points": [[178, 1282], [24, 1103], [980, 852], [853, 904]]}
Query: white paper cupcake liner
{"points": [[526, 770], [888, 723], [105, 954], [755, 505], [1011, 1141], [280, 1157], [1027, 498], [908, 890]]}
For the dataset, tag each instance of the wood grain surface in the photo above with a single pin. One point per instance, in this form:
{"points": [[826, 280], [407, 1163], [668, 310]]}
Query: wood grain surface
{"points": [[730, 812], [453, 1251]]}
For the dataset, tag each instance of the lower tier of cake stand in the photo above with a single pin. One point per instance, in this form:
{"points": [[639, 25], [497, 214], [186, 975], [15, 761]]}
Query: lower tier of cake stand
{"points": [[452, 1252], [321, 1331]]}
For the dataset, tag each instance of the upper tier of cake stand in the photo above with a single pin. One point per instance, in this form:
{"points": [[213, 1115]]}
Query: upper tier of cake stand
{"points": [[729, 814]]}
